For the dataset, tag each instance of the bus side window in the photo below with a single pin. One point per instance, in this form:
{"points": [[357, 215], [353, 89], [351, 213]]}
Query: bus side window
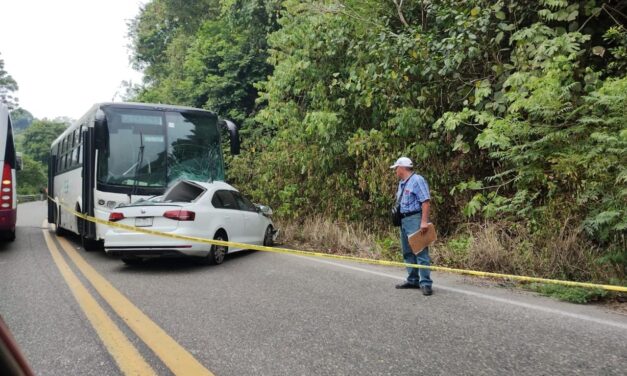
{"points": [[58, 167], [79, 156], [68, 146], [57, 154], [61, 164], [75, 153]]}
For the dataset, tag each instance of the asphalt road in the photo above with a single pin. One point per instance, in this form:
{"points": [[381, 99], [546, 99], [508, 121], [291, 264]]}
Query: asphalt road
{"points": [[270, 314]]}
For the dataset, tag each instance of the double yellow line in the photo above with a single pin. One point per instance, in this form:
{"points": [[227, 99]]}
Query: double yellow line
{"points": [[127, 357]]}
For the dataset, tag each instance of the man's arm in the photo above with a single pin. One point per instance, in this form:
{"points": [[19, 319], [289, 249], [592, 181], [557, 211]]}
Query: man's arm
{"points": [[426, 205]]}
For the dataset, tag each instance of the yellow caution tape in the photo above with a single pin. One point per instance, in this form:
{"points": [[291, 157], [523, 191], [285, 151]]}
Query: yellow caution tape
{"points": [[340, 257]]}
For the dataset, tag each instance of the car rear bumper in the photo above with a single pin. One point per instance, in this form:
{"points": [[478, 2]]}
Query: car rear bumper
{"points": [[148, 252], [133, 244], [156, 251]]}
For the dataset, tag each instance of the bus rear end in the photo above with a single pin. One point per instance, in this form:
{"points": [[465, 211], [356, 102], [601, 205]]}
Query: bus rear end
{"points": [[8, 161]]}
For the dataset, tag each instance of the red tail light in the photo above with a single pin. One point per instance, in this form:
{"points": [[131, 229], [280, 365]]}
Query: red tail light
{"points": [[180, 215], [116, 216], [6, 194]]}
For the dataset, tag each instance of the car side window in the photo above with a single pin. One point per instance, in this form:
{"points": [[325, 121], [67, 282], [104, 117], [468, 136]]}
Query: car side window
{"points": [[224, 200], [216, 201], [244, 203]]}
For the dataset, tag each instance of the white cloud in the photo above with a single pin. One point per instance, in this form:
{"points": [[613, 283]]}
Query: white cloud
{"points": [[66, 55]]}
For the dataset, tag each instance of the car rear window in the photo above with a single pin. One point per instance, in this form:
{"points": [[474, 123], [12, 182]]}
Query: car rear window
{"points": [[184, 192]]}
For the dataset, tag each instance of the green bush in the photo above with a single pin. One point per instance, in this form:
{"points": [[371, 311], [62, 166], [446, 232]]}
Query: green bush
{"points": [[570, 294]]}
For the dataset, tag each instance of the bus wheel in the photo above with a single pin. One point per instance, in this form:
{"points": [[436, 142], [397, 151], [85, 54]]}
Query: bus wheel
{"points": [[88, 244], [91, 245], [58, 230]]}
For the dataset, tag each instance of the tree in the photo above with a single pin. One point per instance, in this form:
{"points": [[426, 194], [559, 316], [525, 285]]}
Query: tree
{"points": [[32, 177], [38, 138], [7, 87], [209, 55], [22, 119]]}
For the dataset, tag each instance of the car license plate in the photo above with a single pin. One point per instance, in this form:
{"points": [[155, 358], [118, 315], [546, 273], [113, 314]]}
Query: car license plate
{"points": [[143, 221]]}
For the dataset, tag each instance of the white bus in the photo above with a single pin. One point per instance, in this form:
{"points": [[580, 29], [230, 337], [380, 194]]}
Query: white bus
{"points": [[9, 164], [120, 152]]}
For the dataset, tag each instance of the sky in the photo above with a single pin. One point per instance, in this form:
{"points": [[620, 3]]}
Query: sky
{"points": [[67, 55]]}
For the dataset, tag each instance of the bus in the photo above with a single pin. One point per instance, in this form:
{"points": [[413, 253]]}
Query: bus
{"points": [[9, 163], [121, 152]]}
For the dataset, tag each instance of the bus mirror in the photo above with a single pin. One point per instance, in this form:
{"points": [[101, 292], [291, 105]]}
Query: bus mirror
{"points": [[233, 135], [18, 162]]}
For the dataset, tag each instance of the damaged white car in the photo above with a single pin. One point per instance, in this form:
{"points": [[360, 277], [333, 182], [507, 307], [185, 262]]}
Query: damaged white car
{"points": [[205, 210]]}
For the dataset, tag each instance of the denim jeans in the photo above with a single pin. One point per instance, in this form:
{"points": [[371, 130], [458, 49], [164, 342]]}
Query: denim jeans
{"points": [[421, 277]]}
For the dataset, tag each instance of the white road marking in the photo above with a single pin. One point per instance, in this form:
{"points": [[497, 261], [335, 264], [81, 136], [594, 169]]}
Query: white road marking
{"points": [[483, 296]]}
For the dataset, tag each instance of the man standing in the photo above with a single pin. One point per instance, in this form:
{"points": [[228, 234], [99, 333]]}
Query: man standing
{"points": [[414, 198]]}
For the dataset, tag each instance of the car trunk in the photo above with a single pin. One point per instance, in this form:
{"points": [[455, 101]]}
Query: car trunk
{"points": [[152, 217]]}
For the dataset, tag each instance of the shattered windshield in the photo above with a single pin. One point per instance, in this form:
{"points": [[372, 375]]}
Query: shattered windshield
{"points": [[150, 148], [194, 150]]}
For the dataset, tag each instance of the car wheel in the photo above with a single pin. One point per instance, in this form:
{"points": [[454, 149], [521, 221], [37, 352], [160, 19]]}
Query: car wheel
{"points": [[218, 252], [132, 261], [267, 238]]}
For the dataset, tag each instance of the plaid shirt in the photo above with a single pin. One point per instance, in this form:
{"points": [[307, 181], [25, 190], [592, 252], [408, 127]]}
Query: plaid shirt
{"points": [[415, 191]]}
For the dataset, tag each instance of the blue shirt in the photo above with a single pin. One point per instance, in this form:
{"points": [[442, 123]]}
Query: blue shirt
{"points": [[415, 191]]}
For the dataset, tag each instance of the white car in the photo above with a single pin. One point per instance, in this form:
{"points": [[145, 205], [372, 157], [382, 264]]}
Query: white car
{"points": [[205, 210]]}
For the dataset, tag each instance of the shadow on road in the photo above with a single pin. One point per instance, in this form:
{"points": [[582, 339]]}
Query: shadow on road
{"points": [[178, 264], [5, 246]]}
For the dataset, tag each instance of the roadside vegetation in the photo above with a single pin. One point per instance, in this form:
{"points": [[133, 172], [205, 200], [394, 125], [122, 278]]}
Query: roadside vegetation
{"points": [[515, 111]]}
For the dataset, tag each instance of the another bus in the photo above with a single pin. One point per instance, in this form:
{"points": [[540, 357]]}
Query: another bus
{"points": [[9, 164], [121, 152]]}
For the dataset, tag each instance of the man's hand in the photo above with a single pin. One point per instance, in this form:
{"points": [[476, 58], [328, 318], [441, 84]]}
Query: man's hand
{"points": [[424, 226]]}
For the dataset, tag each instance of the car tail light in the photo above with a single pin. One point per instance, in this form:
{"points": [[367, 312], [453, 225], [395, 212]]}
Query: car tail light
{"points": [[6, 199], [180, 215], [116, 216]]}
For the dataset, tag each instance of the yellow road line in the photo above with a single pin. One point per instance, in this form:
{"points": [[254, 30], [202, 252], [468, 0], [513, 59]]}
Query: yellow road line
{"points": [[173, 355], [128, 359]]}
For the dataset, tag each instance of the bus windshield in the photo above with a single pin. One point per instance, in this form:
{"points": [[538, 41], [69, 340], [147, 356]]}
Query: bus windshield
{"points": [[150, 148]]}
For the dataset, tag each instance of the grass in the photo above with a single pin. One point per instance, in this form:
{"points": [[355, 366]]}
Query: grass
{"points": [[570, 294], [332, 237], [503, 247]]}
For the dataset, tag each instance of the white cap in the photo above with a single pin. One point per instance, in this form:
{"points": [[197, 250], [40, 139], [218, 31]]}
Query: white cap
{"points": [[402, 162]]}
